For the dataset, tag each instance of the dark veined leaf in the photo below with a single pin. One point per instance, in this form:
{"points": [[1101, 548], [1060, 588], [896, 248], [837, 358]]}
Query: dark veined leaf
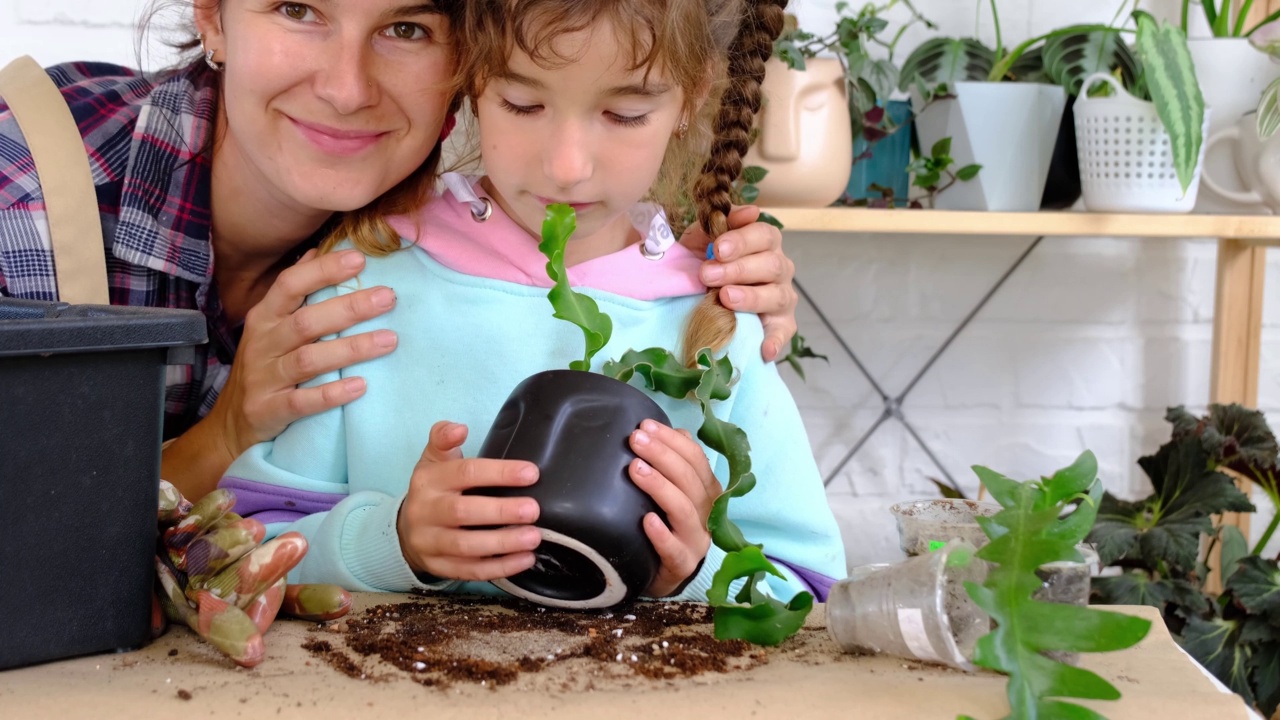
{"points": [[1166, 526], [1070, 58], [1234, 548], [1256, 586], [1266, 669], [1216, 645], [942, 60]]}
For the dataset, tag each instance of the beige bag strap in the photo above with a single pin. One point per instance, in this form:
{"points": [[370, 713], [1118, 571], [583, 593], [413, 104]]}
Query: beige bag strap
{"points": [[62, 165]]}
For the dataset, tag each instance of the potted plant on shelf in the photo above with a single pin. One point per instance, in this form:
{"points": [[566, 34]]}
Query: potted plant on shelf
{"points": [[1154, 548], [960, 89], [594, 551], [1141, 147], [816, 106], [1232, 74]]}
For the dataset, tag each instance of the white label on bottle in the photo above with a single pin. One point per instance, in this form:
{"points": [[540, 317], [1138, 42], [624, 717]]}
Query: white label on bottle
{"points": [[911, 623]]}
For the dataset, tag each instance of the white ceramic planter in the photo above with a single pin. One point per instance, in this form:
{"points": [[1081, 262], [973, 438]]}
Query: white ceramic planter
{"points": [[1232, 75], [1008, 128], [806, 140]]}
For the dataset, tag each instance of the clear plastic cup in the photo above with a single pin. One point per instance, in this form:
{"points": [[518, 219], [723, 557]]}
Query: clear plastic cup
{"points": [[916, 609], [925, 525]]}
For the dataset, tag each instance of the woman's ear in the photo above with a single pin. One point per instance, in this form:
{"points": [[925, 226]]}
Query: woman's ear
{"points": [[208, 15]]}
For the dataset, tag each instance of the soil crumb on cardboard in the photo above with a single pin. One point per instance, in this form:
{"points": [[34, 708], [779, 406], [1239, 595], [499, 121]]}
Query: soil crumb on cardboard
{"points": [[490, 642]]}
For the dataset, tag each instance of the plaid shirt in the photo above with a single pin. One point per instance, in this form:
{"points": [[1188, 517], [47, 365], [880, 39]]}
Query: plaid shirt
{"points": [[145, 142]]}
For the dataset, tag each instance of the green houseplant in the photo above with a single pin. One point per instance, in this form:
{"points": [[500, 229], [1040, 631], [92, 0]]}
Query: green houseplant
{"points": [[960, 89], [1154, 546], [1041, 522], [749, 614]]}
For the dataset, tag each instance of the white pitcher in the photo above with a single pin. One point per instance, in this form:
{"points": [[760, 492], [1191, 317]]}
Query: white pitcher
{"points": [[1257, 161]]}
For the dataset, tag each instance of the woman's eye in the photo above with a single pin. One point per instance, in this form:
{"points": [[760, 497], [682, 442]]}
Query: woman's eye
{"points": [[629, 120], [408, 31], [519, 109], [297, 11]]}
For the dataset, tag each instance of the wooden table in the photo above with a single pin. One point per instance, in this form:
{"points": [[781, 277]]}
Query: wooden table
{"points": [[806, 677]]}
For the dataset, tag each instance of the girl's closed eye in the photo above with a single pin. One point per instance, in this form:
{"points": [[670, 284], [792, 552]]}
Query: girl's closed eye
{"points": [[515, 109], [628, 120]]}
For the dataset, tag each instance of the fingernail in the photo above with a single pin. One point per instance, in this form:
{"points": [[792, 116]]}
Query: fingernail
{"points": [[530, 538], [649, 425], [352, 259], [733, 295], [528, 473], [384, 298], [643, 469], [712, 273], [384, 338], [641, 438], [725, 247], [353, 385]]}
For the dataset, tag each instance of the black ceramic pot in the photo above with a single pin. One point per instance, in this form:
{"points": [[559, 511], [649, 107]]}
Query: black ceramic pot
{"points": [[575, 426]]}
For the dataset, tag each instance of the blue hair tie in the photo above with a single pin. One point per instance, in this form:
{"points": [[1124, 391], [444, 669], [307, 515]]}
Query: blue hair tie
{"points": [[711, 252]]}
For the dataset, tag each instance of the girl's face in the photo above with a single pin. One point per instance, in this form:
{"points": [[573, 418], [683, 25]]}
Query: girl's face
{"points": [[591, 133], [329, 104]]}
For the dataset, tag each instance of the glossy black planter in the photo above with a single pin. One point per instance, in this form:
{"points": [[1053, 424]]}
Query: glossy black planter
{"points": [[575, 426]]}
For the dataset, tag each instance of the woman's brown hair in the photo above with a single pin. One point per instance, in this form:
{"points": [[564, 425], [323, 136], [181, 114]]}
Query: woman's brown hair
{"points": [[714, 50]]}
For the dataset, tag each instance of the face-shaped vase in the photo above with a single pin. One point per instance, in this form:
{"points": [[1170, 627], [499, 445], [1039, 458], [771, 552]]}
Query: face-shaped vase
{"points": [[575, 426]]}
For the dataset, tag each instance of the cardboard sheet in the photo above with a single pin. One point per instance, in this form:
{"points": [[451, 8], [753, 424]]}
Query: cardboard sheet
{"points": [[180, 676]]}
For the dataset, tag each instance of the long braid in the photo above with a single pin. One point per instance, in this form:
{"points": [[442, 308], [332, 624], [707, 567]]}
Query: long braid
{"points": [[711, 324]]}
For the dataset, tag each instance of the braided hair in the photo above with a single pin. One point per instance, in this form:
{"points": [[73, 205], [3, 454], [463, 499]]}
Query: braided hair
{"points": [[711, 324]]}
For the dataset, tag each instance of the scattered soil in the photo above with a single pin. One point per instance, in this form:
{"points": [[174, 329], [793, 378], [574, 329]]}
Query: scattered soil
{"points": [[490, 642]]}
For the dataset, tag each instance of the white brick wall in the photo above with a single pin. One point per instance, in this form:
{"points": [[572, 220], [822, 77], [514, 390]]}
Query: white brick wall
{"points": [[1083, 348]]}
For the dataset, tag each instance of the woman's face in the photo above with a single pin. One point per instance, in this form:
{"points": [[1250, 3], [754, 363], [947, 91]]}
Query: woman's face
{"points": [[327, 105]]}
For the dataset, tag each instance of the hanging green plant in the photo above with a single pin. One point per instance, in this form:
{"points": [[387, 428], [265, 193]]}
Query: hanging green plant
{"points": [[750, 615]]}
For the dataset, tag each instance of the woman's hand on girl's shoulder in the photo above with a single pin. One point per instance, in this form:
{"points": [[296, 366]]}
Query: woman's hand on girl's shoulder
{"points": [[753, 274]]}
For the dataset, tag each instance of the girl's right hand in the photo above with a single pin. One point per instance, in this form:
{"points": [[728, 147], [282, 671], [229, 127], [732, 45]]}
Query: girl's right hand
{"points": [[278, 350], [435, 518]]}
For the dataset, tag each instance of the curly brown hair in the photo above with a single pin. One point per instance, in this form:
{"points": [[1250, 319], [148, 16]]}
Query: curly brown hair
{"points": [[714, 50]]}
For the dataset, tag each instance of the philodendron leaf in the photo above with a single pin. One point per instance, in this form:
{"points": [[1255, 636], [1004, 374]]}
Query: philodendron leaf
{"points": [[569, 304], [1036, 530], [1216, 645]]}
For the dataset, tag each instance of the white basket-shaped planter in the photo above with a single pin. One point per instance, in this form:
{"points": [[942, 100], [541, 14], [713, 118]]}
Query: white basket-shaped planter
{"points": [[1126, 162]]}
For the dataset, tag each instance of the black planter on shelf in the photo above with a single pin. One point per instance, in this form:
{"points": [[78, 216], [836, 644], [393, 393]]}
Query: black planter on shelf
{"points": [[1062, 185], [575, 426]]}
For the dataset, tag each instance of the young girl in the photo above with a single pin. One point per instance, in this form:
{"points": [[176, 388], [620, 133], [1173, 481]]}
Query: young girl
{"points": [[598, 104]]}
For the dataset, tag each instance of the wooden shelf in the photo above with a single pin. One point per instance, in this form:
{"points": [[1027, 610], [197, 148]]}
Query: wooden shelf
{"points": [[1254, 229]]}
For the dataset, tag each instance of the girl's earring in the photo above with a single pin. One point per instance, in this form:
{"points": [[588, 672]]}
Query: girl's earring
{"points": [[208, 55], [682, 129]]}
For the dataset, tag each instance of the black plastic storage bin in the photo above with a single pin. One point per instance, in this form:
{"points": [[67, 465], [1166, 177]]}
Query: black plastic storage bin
{"points": [[81, 414]]}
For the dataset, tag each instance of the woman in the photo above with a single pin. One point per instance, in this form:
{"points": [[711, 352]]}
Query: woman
{"points": [[215, 181]]}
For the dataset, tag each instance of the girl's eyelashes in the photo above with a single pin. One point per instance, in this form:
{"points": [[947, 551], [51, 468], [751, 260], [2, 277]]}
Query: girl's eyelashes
{"points": [[629, 120], [521, 110], [623, 120]]}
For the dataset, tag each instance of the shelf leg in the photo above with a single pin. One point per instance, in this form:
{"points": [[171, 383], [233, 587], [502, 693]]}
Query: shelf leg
{"points": [[1237, 338]]}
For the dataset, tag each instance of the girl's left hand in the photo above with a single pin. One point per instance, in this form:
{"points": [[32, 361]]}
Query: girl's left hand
{"points": [[674, 471], [752, 273]]}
